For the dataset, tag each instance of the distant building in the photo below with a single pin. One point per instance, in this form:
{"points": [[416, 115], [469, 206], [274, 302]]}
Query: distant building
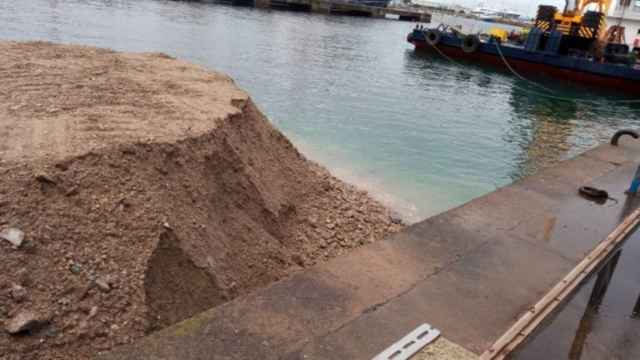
{"points": [[434, 5], [487, 14], [510, 15], [482, 12], [627, 14], [431, 4]]}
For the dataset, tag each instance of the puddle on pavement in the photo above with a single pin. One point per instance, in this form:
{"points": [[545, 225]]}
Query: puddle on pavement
{"points": [[611, 332]]}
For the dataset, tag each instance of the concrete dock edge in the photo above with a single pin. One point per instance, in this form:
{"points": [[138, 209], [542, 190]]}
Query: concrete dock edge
{"points": [[469, 272]]}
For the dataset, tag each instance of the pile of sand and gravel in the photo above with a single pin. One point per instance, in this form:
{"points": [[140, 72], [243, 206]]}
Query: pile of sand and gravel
{"points": [[147, 189]]}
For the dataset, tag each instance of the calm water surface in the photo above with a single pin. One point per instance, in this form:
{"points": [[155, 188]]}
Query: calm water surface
{"points": [[350, 92]]}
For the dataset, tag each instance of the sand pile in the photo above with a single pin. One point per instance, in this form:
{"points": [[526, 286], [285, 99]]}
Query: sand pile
{"points": [[147, 190]]}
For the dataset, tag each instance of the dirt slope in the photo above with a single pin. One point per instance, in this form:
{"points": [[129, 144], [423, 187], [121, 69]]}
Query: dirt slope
{"points": [[148, 189]]}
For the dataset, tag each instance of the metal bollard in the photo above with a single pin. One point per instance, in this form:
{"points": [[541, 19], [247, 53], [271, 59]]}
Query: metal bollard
{"points": [[620, 133]]}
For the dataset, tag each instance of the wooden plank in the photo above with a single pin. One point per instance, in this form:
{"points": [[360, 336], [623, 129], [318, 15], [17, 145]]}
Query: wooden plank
{"points": [[527, 323]]}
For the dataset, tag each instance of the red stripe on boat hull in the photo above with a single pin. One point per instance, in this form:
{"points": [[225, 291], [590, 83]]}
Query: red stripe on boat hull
{"points": [[627, 86]]}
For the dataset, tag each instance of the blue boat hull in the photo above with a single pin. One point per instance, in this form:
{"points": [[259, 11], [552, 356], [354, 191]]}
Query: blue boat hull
{"points": [[620, 77]]}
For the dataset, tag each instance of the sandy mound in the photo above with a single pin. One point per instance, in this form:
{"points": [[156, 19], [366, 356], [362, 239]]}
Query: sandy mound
{"points": [[148, 189]]}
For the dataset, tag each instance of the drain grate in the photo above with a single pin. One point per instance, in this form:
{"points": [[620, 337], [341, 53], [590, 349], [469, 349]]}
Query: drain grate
{"points": [[410, 344]]}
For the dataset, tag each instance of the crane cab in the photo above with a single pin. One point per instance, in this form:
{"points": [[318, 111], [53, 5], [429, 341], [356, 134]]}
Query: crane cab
{"points": [[575, 31]]}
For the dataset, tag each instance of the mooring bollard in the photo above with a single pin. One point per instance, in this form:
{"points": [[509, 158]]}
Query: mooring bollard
{"points": [[620, 133], [635, 182]]}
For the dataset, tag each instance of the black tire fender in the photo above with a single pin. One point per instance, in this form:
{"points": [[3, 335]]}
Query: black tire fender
{"points": [[432, 37], [470, 43]]}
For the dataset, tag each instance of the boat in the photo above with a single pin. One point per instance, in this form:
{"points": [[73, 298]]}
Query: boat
{"points": [[490, 15], [571, 50], [481, 11]]}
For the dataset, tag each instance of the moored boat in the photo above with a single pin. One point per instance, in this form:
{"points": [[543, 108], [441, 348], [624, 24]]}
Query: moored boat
{"points": [[577, 50]]}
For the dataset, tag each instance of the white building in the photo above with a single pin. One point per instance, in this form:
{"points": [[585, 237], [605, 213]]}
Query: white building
{"points": [[627, 14]]}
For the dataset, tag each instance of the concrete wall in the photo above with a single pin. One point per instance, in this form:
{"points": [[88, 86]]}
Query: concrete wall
{"points": [[631, 27], [628, 17]]}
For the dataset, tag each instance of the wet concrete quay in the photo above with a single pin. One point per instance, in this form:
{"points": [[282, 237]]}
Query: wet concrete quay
{"points": [[596, 325], [470, 272]]}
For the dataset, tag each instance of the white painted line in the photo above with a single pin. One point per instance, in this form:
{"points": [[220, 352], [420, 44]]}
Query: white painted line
{"points": [[410, 344]]}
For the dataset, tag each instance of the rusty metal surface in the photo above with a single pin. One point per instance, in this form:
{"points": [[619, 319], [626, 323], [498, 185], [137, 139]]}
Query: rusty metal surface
{"points": [[469, 272]]}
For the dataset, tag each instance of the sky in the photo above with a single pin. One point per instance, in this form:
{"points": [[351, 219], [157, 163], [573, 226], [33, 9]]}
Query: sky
{"points": [[525, 7]]}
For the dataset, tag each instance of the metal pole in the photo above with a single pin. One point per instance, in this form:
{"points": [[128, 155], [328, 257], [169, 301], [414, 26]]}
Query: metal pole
{"points": [[635, 183], [636, 309], [597, 295], [583, 331], [602, 282]]}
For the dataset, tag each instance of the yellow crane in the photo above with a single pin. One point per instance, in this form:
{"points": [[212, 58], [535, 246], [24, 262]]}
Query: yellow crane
{"points": [[575, 14], [576, 19], [574, 9], [581, 29]]}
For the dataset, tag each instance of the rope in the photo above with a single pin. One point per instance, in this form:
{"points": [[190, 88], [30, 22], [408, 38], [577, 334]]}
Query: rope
{"points": [[624, 9], [514, 72], [443, 54]]}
